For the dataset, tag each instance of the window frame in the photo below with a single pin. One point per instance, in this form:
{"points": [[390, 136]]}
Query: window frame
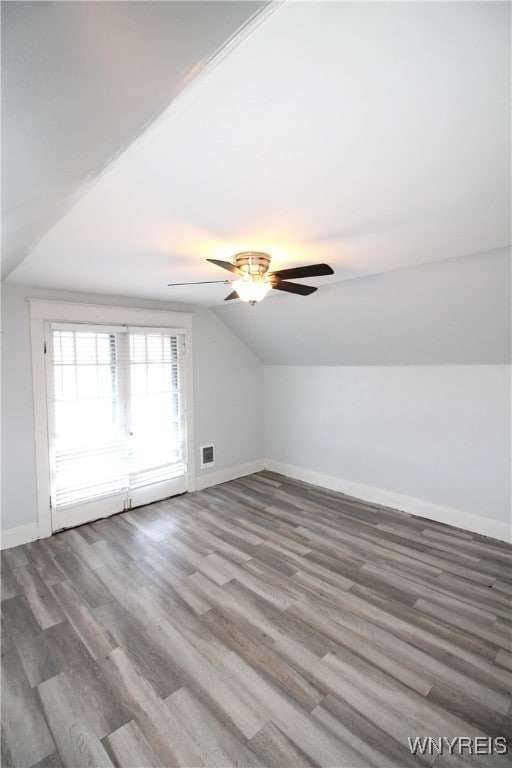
{"points": [[43, 312]]}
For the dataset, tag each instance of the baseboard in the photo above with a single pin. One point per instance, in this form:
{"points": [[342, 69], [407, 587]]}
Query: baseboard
{"points": [[413, 506], [22, 534], [205, 479]]}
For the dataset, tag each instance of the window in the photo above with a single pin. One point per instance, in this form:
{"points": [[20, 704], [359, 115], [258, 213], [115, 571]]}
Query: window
{"points": [[118, 415]]}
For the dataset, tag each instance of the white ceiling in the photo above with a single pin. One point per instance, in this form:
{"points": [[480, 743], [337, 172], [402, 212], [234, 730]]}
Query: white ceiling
{"points": [[372, 136], [80, 80]]}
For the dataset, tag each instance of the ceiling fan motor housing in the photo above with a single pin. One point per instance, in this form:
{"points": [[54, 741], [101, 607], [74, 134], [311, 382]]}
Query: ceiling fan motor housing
{"points": [[253, 262]]}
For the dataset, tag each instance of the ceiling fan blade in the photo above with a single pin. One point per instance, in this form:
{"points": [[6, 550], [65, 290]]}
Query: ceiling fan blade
{"points": [[226, 265], [200, 282], [301, 290], [313, 270], [232, 295]]}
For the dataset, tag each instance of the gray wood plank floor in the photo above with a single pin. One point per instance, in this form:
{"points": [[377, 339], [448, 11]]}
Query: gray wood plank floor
{"points": [[262, 622]]}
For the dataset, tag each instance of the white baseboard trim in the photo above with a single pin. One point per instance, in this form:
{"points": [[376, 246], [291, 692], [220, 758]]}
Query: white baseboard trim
{"points": [[22, 534], [207, 479], [413, 506]]}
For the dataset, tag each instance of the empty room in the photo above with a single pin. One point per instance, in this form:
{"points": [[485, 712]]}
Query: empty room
{"points": [[256, 384]]}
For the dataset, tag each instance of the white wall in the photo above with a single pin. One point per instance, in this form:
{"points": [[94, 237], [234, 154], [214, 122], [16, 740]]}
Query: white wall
{"points": [[227, 378], [228, 404], [432, 440]]}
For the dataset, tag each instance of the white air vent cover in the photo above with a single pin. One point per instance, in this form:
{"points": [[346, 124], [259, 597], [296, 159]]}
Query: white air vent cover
{"points": [[207, 456]]}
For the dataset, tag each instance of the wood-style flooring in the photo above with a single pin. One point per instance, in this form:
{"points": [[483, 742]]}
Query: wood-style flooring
{"points": [[262, 622]]}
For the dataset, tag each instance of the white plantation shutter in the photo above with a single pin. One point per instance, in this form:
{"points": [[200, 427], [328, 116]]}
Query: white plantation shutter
{"points": [[115, 409]]}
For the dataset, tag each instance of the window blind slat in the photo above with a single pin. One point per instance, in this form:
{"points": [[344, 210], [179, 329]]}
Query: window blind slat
{"points": [[157, 444], [115, 406]]}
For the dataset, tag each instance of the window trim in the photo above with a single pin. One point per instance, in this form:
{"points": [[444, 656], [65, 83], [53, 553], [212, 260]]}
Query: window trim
{"points": [[43, 311]]}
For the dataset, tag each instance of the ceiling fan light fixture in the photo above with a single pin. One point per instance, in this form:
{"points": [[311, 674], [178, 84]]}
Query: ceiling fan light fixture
{"points": [[252, 288], [254, 280]]}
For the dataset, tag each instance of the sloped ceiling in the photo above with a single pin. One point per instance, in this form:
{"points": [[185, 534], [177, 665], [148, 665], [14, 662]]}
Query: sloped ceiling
{"points": [[80, 80], [372, 136], [450, 312]]}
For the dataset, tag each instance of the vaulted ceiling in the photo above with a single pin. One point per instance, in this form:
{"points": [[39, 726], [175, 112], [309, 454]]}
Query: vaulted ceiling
{"points": [[80, 81], [142, 138]]}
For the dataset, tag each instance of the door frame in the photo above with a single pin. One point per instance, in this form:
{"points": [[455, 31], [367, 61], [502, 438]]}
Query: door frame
{"points": [[43, 311]]}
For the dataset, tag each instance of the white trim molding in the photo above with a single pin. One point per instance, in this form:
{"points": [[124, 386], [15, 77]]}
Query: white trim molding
{"points": [[496, 529], [207, 479], [22, 534]]}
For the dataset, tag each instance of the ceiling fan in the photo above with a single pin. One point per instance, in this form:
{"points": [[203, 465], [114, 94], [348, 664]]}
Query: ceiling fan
{"points": [[253, 279]]}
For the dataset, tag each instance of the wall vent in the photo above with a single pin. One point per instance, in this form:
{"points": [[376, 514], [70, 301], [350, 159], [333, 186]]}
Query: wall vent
{"points": [[207, 456]]}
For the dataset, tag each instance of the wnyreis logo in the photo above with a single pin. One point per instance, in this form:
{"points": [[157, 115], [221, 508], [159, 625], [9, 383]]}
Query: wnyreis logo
{"points": [[459, 745]]}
